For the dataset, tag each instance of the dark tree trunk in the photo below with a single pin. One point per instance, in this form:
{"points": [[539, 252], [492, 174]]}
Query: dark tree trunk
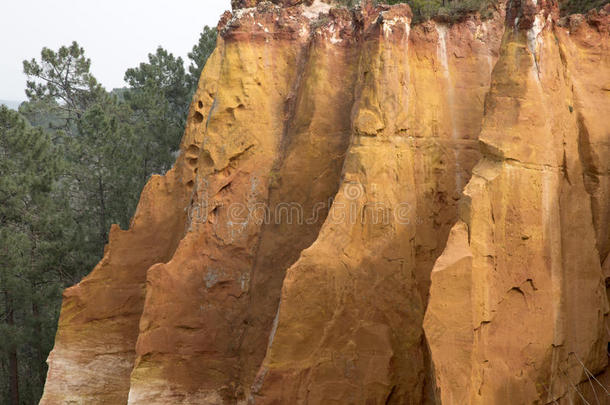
{"points": [[14, 365], [103, 233], [39, 355], [12, 355]]}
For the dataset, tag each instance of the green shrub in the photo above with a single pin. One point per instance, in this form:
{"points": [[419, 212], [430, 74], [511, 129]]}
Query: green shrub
{"points": [[568, 7], [446, 10], [455, 10]]}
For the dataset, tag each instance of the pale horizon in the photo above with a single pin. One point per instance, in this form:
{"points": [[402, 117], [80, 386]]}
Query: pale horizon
{"points": [[116, 35]]}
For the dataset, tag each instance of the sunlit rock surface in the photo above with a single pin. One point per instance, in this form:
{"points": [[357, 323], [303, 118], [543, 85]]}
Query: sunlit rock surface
{"points": [[290, 255], [518, 297]]}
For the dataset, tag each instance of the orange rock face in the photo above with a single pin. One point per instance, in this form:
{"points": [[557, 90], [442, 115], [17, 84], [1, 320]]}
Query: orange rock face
{"points": [[518, 298], [301, 251]]}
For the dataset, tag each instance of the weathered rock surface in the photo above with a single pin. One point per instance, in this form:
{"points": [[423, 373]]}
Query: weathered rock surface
{"points": [[518, 298], [290, 255]]}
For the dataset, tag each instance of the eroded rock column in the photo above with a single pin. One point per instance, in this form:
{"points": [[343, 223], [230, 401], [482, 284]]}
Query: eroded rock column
{"points": [[94, 348], [517, 303]]}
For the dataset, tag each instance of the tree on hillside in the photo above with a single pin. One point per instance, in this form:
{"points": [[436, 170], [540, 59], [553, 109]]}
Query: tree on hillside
{"points": [[159, 97], [92, 128], [29, 250], [200, 54], [77, 167], [103, 159], [164, 73], [64, 77]]}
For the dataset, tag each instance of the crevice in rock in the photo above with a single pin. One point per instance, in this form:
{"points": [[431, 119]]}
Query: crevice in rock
{"points": [[295, 184]]}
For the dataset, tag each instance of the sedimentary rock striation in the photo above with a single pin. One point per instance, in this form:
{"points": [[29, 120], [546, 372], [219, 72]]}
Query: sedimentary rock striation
{"points": [[366, 211]]}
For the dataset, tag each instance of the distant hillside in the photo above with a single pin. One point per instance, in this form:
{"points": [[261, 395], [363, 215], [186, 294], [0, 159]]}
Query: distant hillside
{"points": [[13, 104], [120, 92]]}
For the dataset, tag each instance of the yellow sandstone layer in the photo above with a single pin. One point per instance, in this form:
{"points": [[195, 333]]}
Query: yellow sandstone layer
{"points": [[518, 297]]}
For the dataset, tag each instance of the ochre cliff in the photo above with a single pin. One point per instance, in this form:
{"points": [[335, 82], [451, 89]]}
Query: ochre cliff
{"points": [[518, 298], [366, 211]]}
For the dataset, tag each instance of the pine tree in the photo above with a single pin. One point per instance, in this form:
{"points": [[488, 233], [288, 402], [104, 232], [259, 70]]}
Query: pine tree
{"points": [[200, 54], [29, 170], [159, 97]]}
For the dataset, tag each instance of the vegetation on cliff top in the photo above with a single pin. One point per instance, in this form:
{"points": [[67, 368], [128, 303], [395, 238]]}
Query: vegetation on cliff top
{"points": [[456, 10], [568, 7], [446, 10]]}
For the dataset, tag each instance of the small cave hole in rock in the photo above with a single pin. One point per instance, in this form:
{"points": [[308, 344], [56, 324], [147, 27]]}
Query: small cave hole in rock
{"points": [[190, 183], [206, 159], [200, 104], [198, 117]]}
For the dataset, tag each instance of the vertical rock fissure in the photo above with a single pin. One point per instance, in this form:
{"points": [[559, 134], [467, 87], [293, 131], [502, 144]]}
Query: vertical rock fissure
{"points": [[305, 177], [442, 30], [256, 319]]}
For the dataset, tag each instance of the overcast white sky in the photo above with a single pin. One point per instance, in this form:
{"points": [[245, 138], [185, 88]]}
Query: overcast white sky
{"points": [[116, 34]]}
